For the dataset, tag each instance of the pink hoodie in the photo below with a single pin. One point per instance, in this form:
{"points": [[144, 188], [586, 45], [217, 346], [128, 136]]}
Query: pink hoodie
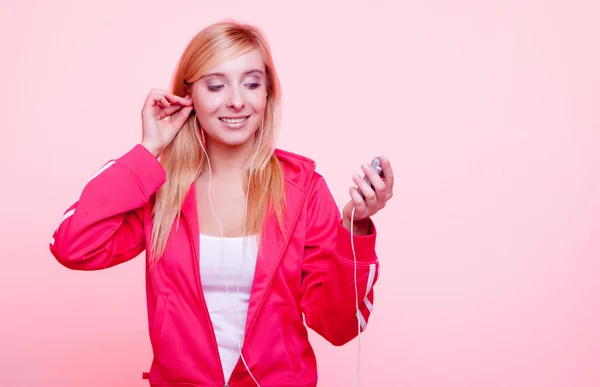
{"points": [[311, 272]]}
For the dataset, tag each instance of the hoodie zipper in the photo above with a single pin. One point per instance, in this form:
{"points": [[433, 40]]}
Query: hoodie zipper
{"points": [[270, 284], [203, 302]]}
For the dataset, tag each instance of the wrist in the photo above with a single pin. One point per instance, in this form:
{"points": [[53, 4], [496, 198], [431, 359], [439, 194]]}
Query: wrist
{"points": [[361, 227], [150, 149]]}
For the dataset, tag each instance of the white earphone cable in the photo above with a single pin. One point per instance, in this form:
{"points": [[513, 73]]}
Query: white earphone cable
{"points": [[356, 293], [223, 236], [243, 251]]}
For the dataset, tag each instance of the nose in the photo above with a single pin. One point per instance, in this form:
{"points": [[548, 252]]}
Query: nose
{"points": [[236, 99]]}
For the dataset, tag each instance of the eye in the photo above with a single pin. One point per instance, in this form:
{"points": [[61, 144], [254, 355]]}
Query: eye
{"points": [[253, 85], [215, 87]]}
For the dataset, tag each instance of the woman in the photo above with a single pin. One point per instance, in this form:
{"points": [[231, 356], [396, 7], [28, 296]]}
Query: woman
{"points": [[242, 240]]}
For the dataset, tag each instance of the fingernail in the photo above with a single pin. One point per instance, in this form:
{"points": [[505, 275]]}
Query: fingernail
{"points": [[356, 176], [365, 166]]}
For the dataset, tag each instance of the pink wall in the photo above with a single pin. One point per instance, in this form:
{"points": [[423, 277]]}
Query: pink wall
{"points": [[488, 111]]}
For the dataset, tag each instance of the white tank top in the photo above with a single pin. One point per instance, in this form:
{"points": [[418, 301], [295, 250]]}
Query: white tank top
{"points": [[238, 259]]}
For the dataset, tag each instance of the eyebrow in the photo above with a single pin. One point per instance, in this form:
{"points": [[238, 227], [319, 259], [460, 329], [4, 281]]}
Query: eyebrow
{"points": [[222, 75]]}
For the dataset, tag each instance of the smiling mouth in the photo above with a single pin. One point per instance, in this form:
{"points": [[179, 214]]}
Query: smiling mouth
{"points": [[234, 120]]}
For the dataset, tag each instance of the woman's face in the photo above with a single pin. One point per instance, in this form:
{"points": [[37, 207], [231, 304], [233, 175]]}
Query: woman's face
{"points": [[230, 100]]}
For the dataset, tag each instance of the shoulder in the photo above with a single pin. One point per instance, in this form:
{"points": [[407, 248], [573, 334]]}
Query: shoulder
{"points": [[287, 157], [299, 170]]}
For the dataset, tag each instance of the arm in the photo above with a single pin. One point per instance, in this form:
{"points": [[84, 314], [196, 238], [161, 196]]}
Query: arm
{"points": [[328, 290], [106, 226]]}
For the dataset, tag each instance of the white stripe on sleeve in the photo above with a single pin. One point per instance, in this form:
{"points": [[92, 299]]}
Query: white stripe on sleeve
{"points": [[104, 168]]}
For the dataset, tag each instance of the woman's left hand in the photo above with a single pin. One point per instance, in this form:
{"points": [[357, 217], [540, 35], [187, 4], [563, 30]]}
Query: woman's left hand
{"points": [[375, 198]]}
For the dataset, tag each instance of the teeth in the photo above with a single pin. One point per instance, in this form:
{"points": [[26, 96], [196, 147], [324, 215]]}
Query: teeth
{"points": [[233, 121]]}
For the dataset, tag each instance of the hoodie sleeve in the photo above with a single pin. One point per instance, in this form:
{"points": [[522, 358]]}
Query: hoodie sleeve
{"points": [[329, 299], [105, 227]]}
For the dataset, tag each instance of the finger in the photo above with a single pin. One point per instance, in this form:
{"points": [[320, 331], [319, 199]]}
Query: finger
{"points": [[378, 184], [375, 179], [162, 102], [150, 102], [388, 174], [359, 204], [367, 191], [160, 115], [178, 100], [154, 102], [169, 111], [182, 116], [155, 95]]}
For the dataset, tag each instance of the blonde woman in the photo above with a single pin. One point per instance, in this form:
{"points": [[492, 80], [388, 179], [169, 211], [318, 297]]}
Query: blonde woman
{"points": [[243, 241]]}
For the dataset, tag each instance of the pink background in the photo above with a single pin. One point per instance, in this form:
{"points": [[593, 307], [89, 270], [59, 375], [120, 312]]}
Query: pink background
{"points": [[488, 111]]}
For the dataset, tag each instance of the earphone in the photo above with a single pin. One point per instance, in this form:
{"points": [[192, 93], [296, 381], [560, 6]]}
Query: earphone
{"points": [[376, 165], [243, 250], [356, 293], [222, 235]]}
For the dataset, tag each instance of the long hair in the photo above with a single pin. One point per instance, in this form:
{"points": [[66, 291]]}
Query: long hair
{"points": [[183, 159]]}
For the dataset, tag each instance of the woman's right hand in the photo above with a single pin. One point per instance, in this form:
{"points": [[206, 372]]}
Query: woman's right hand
{"points": [[157, 132]]}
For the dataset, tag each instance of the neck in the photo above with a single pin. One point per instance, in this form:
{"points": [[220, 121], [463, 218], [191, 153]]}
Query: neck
{"points": [[227, 160]]}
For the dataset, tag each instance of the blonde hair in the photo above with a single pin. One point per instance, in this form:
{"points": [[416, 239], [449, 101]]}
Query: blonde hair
{"points": [[183, 159]]}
